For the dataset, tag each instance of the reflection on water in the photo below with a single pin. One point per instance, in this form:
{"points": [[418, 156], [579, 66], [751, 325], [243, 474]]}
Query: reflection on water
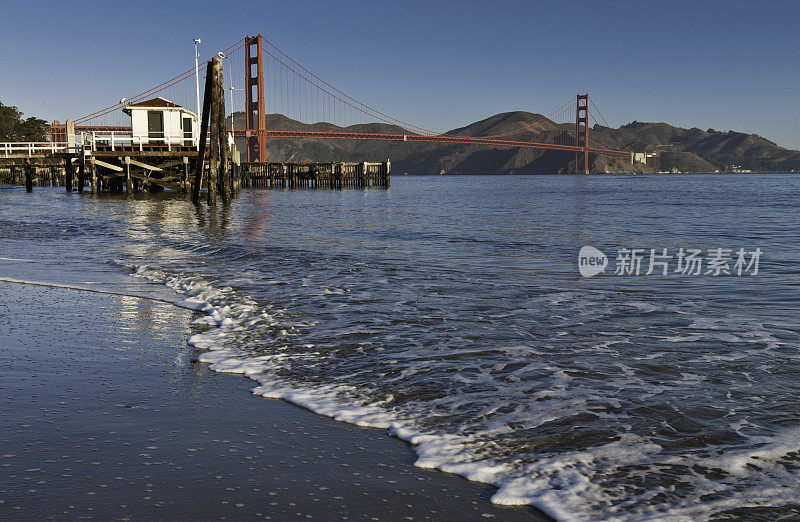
{"points": [[258, 212]]}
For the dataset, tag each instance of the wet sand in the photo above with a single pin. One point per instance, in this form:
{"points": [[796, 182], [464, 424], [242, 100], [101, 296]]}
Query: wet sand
{"points": [[105, 414]]}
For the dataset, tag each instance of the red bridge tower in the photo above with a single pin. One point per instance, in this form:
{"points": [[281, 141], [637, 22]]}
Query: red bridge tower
{"points": [[256, 119]]}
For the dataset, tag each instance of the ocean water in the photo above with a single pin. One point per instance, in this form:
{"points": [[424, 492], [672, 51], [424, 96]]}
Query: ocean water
{"points": [[450, 312]]}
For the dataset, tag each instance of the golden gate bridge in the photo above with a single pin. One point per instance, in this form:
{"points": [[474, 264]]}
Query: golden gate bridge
{"points": [[274, 83]]}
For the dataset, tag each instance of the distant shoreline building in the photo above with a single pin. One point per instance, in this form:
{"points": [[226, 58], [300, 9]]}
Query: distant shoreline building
{"points": [[651, 159]]}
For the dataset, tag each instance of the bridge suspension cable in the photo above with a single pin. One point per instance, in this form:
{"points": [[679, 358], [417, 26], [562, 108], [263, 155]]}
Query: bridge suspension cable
{"points": [[154, 90], [356, 104], [605, 124], [531, 127]]}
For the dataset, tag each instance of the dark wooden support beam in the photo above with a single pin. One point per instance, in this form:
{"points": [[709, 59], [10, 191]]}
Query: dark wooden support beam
{"points": [[218, 104], [146, 166], [81, 171], [217, 107], [201, 155], [69, 173], [154, 184], [28, 176]]}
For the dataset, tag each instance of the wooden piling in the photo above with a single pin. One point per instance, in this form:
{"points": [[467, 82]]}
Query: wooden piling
{"points": [[218, 117], [217, 108], [201, 154], [28, 176], [95, 185], [69, 173], [185, 175], [81, 171], [128, 179]]}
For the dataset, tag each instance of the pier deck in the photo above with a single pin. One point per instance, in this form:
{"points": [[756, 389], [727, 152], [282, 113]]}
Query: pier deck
{"points": [[316, 175], [156, 170]]}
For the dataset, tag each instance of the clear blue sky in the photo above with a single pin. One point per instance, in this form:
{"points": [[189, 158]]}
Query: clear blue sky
{"points": [[439, 64]]}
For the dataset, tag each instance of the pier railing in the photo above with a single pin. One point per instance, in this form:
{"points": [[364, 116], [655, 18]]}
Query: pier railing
{"points": [[94, 140], [30, 149]]}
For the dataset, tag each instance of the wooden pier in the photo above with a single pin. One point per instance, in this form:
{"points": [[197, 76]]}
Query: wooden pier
{"points": [[155, 172], [43, 175], [105, 171], [316, 175], [131, 164]]}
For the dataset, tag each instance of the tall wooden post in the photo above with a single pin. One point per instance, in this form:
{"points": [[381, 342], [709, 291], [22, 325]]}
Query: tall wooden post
{"points": [[69, 173], [201, 155], [28, 176], [218, 105]]}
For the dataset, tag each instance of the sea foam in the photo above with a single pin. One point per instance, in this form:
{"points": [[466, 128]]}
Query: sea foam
{"points": [[579, 484]]}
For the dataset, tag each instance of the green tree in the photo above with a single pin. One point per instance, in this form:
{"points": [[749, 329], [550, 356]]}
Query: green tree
{"points": [[9, 116], [14, 128]]}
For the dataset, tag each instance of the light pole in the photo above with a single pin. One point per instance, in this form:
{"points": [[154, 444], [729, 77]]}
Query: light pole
{"points": [[197, 81], [233, 104], [233, 125]]}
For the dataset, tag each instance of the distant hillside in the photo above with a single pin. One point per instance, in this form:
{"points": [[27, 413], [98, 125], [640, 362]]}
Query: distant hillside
{"points": [[688, 150], [695, 149]]}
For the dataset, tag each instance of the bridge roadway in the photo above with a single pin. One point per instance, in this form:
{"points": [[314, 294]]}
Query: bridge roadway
{"points": [[440, 138], [49, 149]]}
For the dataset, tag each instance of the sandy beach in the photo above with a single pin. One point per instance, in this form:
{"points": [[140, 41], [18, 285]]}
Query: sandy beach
{"points": [[106, 415]]}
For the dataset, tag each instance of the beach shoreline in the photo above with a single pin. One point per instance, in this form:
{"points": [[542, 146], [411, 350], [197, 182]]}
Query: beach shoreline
{"points": [[108, 415]]}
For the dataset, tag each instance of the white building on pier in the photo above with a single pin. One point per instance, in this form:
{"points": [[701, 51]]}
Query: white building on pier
{"points": [[159, 121]]}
